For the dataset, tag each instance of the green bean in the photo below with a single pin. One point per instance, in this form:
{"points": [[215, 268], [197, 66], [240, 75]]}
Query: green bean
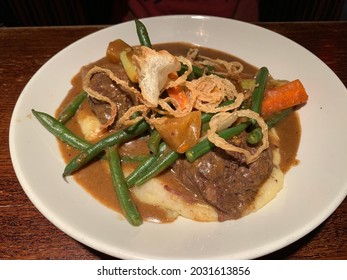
{"points": [[70, 110], [206, 117], [255, 136], [204, 127], [143, 168], [201, 148], [155, 138], [61, 131], [132, 128], [137, 172], [205, 145], [90, 153], [142, 34], [154, 141], [134, 158], [159, 166], [122, 190], [278, 117], [258, 92], [196, 73]]}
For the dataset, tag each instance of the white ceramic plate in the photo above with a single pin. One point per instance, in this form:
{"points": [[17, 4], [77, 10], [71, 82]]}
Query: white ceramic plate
{"points": [[312, 191]]}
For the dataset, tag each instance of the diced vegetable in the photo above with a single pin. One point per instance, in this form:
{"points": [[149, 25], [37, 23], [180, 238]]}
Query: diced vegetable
{"points": [[271, 83], [114, 49], [129, 67], [179, 95], [248, 84], [181, 133], [283, 97]]}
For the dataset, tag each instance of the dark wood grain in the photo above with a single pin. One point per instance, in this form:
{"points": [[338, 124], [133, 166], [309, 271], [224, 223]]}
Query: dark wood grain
{"points": [[26, 234]]}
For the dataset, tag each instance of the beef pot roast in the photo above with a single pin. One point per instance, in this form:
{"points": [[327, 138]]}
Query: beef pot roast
{"points": [[101, 83], [224, 180]]}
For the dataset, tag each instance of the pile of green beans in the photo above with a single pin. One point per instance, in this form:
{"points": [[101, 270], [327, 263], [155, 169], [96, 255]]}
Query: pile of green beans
{"points": [[91, 152]]}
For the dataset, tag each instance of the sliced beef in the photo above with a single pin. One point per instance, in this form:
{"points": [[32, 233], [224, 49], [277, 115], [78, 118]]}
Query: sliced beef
{"points": [[101, 83], [225, 181]]}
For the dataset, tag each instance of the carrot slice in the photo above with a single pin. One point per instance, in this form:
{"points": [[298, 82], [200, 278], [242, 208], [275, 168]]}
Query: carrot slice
{"points": [[179, 95], [283, 97]]}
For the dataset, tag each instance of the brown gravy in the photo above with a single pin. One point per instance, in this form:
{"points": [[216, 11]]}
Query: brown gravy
{"points": [[95, 179]]}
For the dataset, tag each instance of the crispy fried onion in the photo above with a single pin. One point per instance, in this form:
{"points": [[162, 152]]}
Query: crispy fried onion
{"points": [[127, 119], [183, 78], [225, 119], [232, 68], [93, 93], [205, 94], [165, 107], [192, 54], [153, 68], [210, 91]]}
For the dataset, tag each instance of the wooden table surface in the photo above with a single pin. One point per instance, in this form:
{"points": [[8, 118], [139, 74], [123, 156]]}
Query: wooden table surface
{"points": [[26, 234]]}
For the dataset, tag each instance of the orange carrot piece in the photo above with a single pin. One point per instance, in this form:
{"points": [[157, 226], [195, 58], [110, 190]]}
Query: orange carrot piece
{"points": [[283, 97], [179, 95]]}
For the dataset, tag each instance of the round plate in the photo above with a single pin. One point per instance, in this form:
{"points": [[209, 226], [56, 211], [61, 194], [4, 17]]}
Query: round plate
{"points": [[312, 190]]}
